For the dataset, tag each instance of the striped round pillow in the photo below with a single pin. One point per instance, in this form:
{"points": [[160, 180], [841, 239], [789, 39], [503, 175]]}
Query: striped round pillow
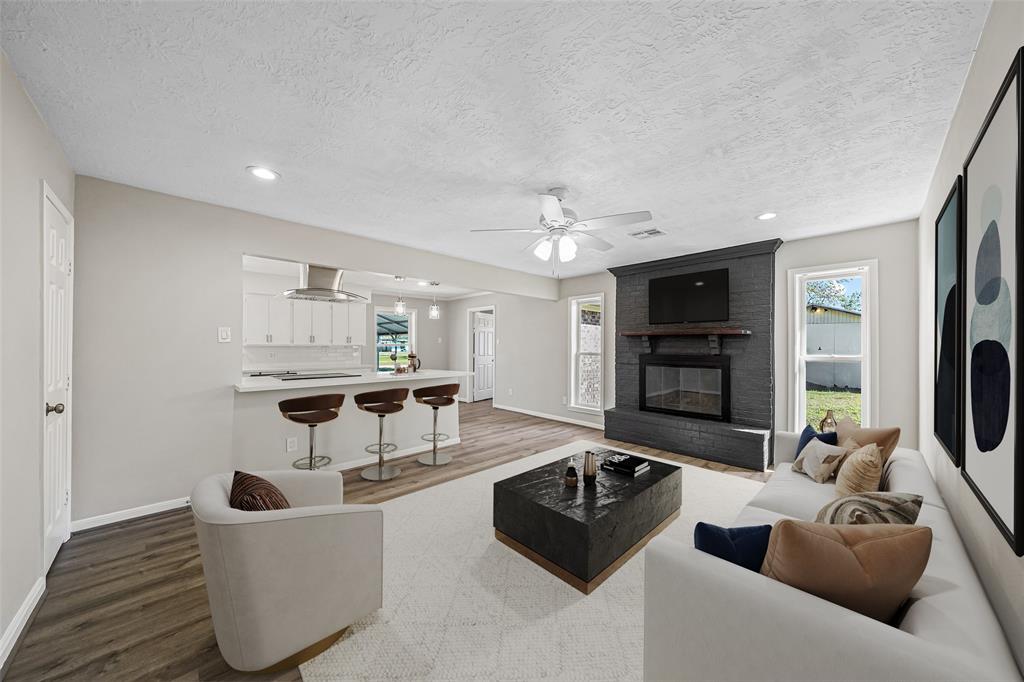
{"points": [[878, 507], [250, 492]]}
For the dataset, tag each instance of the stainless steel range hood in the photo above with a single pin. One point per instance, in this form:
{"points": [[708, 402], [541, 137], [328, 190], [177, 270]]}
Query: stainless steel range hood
{"points": [[317, 283]]}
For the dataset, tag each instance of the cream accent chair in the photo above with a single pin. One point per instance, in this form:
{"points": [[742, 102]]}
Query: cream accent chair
{"points": [[284, 585]]}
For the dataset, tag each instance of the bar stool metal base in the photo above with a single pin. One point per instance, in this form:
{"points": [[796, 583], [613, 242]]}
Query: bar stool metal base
{"points": [[318, 462], [434, 458], [380, 472]]}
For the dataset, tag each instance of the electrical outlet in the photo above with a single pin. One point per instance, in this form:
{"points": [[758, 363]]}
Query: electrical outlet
{"points": [[439, 340], [292, 444], [510, 391], [565, 401]]}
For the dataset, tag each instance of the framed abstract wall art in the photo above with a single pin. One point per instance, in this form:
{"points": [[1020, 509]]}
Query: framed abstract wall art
{"points": [[993, 460], [948, 329]]}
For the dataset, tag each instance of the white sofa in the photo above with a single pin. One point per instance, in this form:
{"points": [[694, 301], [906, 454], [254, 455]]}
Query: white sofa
{"points": [[282, 581], [708, 619]]}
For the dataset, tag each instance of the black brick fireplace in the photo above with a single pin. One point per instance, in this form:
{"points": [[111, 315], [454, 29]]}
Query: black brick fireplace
{"points": [[726, 419]]}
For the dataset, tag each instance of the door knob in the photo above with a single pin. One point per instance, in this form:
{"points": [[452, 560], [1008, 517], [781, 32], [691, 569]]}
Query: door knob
{"points": [[58, 408]]}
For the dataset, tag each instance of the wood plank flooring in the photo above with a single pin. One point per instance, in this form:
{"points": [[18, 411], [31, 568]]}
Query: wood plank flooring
{"points": [[128, 601]]}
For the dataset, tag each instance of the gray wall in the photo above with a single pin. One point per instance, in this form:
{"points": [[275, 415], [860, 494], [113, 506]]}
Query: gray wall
{"points": [[532, 350], [154, 343], [1001, 571], [30, 154]]}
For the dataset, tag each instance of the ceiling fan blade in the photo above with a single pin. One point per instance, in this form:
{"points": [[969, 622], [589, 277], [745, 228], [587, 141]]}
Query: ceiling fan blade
{"points": [[613, 220], [590, 241], [551, 209], [510, 229]]}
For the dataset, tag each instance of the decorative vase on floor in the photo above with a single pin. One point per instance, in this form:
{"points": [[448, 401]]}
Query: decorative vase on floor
{"points": [[828, 424]]}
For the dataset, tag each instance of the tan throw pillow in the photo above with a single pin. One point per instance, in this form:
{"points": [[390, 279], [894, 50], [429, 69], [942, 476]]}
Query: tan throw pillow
{"points": [[872, 508], [886, 438], [870, 568], [819, 460], [861, 472]]}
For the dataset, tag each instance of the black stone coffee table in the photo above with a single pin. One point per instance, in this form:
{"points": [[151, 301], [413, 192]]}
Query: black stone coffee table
{"points": [[583, 535]]}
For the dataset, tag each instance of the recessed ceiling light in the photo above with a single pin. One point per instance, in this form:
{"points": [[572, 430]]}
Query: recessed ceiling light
{"points": [[263, 173], [767, 216], [421, 283]]}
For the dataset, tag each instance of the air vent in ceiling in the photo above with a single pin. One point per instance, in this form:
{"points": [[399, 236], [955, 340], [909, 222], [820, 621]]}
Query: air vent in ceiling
{"points": [[647, 234]]}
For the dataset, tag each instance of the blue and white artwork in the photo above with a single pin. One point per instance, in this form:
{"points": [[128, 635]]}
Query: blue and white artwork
{"points": [[991, 463]]}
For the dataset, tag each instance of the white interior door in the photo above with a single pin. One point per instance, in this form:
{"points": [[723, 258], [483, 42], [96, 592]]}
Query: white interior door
{"points": [[58, 240], [483, 356]]}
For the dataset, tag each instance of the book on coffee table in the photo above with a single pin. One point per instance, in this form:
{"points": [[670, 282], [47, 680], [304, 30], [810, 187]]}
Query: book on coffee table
{"points": [[628, 465]]}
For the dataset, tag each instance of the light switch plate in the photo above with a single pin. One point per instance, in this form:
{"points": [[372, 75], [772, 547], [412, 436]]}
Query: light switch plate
{"points": [[223, 334]]}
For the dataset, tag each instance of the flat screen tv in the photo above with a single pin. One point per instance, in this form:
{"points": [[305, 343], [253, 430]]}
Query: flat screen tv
{"points": [[693, 297]]}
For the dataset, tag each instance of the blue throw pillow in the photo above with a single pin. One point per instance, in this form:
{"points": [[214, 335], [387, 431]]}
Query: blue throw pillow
{"points": [[744, 546], [809, 434]]}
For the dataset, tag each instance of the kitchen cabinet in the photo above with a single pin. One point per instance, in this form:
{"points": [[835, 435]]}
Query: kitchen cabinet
{"points": [[311, 323], [267, 320], [349, 324]]}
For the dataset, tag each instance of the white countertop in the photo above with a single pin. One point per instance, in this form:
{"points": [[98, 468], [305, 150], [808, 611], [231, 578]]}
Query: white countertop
{"points": [[253, 384]]}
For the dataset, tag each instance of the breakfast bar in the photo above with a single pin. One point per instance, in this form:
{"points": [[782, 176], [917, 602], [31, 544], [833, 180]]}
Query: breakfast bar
{"points": [[263, 439]]}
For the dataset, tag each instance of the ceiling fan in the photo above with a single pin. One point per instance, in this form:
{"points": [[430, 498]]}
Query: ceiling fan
{"points": [[564, 232]]}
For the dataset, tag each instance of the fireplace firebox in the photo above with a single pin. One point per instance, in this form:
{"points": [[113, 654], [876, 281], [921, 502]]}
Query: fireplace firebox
{"points": [[687, 385]]}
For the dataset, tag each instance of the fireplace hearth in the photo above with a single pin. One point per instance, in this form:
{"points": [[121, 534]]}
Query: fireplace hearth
{"points": [[686, 385]]}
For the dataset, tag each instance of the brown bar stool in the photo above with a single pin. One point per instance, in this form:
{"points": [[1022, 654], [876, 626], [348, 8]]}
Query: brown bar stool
{"points": [[312, 410], [436, 397], [381, 403]]}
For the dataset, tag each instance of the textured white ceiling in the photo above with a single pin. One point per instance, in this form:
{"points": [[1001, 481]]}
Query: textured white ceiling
{"points": [[415, 122]]}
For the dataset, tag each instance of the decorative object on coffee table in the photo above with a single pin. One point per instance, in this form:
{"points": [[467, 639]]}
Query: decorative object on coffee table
{"points": [[583, 535], [571, 479], [589, 469], [829, 423]]}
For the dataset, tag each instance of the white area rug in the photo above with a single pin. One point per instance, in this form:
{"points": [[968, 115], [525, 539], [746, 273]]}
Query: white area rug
{"points": [[459, 605]]}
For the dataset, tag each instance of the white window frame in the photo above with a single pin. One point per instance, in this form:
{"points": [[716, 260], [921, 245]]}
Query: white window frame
{"points": [[411, 312], [574, 303], [867, 270]]}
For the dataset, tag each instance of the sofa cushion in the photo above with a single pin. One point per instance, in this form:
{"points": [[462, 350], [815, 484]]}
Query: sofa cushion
{"points": [[253, 493], [744, 546], [793, 495], [886, 438], [809, 434], [870, 568], [906, 472], [872, 508], [861, 472], [819, 460]]}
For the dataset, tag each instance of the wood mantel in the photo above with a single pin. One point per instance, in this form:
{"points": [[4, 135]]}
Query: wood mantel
{"points": [[664, 330], [713, 333]]}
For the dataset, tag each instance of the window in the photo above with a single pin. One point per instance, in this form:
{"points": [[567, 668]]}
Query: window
{"points": [[396, 335], [585, 347], [834, 342]]}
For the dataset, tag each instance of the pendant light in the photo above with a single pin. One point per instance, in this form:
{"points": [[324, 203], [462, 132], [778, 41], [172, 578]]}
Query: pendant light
{"points": [[399, 306], [435, 310]]}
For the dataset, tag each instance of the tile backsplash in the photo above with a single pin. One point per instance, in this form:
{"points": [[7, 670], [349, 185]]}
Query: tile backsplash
{"points": [[303, 357]]}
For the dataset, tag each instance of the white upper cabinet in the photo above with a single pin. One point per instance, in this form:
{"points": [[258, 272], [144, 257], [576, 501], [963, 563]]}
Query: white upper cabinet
{"points": [[302, 323], [349, 323], [267, 320], [321, 324], [280, 326]]}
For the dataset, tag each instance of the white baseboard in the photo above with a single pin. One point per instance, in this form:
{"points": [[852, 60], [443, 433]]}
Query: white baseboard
{"points": [[13, 630], [405, 452], [553, 417], [125, 514]]}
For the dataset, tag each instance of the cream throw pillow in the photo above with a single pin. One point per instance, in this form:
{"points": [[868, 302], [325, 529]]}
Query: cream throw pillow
{"points": [[861, 472], [819, 460], [886, 437]]}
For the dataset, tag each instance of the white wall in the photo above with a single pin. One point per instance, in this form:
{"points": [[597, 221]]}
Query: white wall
{"points": [[1001, 571], [30, 154], [532, 351], [895, 248], [155, 276]]}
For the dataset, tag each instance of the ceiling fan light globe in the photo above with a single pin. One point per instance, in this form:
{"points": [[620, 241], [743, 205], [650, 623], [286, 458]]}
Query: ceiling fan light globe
{"points": [[566, 249], [543, 250]]}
